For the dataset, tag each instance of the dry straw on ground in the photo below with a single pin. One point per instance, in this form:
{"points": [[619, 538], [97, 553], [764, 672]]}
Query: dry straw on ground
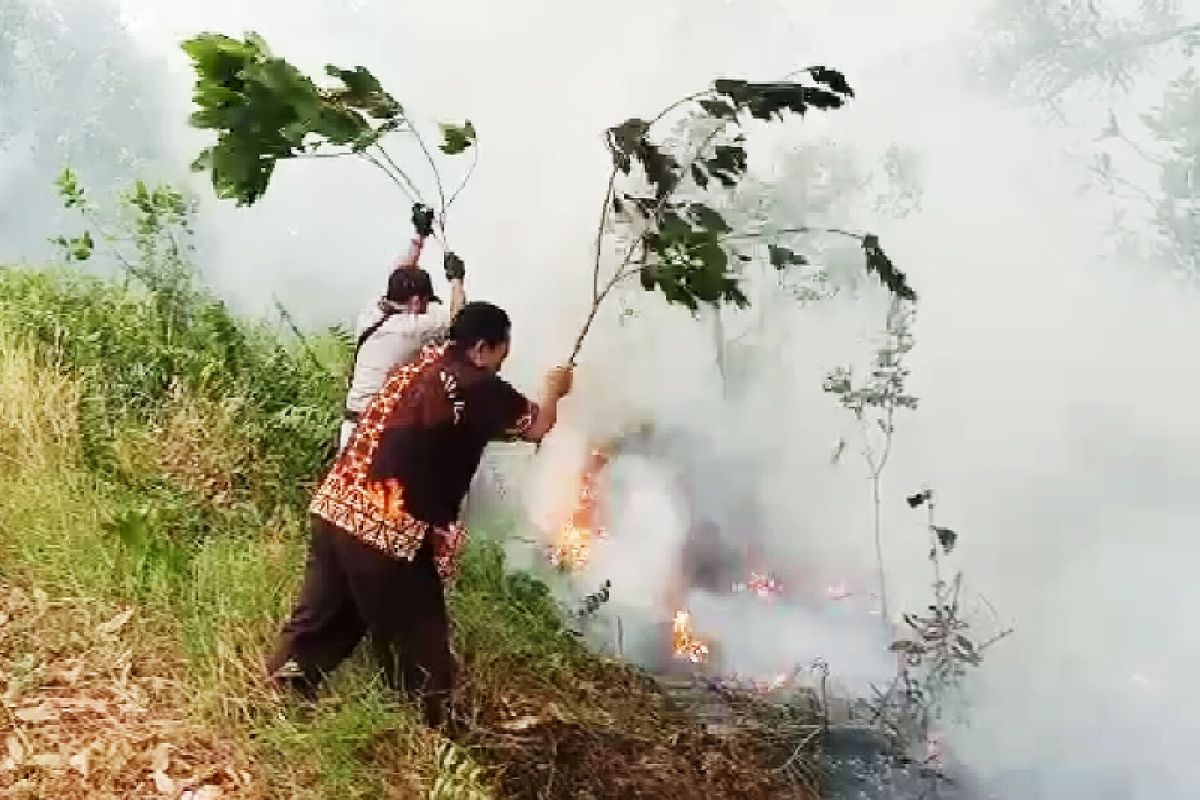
{"points": [[88, 712]]}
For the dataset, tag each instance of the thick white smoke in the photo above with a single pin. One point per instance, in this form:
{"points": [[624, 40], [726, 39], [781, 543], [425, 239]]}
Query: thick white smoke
{"points": [[1057, 388]]}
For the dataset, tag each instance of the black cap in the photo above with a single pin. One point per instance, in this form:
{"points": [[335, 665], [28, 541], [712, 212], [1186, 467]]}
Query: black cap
{"points": [[407, 282]]}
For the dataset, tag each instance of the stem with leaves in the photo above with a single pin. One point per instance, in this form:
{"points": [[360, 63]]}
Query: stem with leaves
{"points": [[874, 405], [680, 245], [935, 656], [264, 110]]}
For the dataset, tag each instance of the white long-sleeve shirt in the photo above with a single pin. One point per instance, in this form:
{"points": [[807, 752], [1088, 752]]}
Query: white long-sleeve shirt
{"points": [[398, 340]]}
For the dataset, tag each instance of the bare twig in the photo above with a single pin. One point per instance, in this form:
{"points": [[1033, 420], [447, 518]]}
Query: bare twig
{"points": [[806, 229], [286, 316], [437, 175], [1004, 634], [679, 103], [338, 154], [799, 747], [470, 171], [612, 180], [411, 194], [1139, 150], [621, 274], [400, 172]]}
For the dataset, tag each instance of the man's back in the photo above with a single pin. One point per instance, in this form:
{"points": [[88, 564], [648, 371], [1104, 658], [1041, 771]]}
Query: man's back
{"points": [[397, 340]]}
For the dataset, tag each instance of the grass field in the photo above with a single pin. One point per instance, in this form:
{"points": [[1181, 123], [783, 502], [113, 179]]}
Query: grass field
{"points": [[156, 457]]}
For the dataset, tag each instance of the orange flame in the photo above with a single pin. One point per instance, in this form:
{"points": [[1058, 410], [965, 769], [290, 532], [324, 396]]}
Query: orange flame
{"points": [[687, 646], [761, 584], [572, 546], [572, 549]]}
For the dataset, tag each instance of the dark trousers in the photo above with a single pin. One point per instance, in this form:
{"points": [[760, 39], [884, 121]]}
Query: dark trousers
{"points": [[352, 589]]}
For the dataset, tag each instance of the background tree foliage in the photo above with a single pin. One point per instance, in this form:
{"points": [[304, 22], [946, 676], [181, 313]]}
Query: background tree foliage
{"points": [[1059, 53], [74, 89]]}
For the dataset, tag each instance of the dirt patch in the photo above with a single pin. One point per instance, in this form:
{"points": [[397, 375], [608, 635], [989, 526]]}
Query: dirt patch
{"points": [[85, 711]]}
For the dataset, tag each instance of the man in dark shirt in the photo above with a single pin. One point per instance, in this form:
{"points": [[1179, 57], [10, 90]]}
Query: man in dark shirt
{"points": [[386, 528]]}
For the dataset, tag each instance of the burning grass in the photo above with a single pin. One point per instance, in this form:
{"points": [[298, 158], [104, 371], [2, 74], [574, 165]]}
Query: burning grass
{"points": [[571, 549], [685, 642]]}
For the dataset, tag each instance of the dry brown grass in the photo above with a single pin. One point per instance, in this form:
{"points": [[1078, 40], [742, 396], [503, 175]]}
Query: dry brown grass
{"points": [[39, 410], [89, 710], [198, 444], [609, 733]]}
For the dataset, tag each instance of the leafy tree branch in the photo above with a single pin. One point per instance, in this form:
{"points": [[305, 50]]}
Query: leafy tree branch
{"points": [[679, 244], [264, 111]]}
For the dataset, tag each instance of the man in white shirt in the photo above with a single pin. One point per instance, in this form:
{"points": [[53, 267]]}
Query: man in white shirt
{"points": [[393, 330]]}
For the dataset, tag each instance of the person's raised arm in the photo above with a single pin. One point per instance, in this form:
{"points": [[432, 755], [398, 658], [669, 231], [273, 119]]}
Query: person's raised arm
{"points": [[422, 220], [503, 414], [410, 258], [456, 273], [558, 385]]}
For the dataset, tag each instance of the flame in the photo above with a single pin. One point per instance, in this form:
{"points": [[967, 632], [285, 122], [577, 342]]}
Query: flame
{"points": [[687, 646], [764, 585], [572, 546], [761, 584]]}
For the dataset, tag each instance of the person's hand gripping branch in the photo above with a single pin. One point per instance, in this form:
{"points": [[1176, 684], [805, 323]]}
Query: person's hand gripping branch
{"points": [[422, 222]]}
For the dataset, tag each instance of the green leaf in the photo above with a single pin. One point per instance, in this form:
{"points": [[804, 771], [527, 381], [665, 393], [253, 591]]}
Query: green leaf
{"points": [[77, 248], [628, 143], [731, 292], [706, 278], [727, 164], [692, 264], [782, 257], [917, 500], [879, 263], [719, 109], [624, 140], [204, 161], [707, 218], [767, 101], [673, 229], [832, 78], [69, 189], [648, 276], [946, 538], [363, 91], [457, 139]]}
